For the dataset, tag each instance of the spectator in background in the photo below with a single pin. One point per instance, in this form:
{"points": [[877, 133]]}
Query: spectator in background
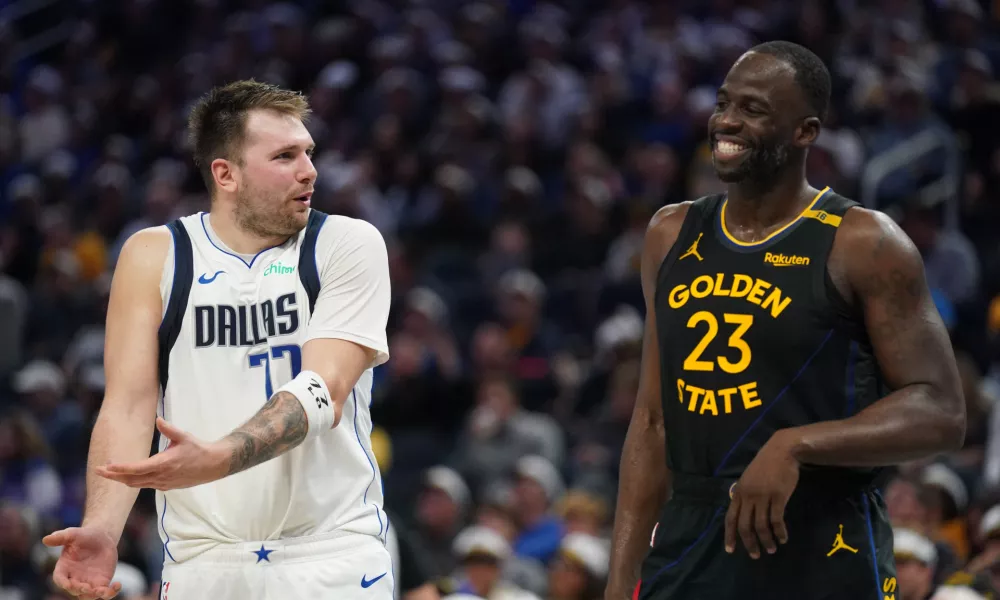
{"points": [[948, 498], [441, 511], [580, 569], [950, 260], [498, 511], [19, 534], [42, 389], [583, 512], [481, 553], [27, 475], [499, 432], [537, 486], [916, 559]]}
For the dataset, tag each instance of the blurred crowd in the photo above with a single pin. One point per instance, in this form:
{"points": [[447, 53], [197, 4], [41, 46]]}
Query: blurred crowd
{"points": [[511, 153]]}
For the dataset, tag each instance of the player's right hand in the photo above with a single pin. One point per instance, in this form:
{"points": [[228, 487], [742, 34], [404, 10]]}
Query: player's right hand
{"points": [[87, 563]]}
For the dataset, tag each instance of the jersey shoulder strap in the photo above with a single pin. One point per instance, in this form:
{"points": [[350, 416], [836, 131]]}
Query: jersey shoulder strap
{"points": [[308, 270], [706, 206], [699, 213], [170, 326]]}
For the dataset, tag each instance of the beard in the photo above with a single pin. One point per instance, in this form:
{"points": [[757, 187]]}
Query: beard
{"points": [[762, 164], [263, 217]]}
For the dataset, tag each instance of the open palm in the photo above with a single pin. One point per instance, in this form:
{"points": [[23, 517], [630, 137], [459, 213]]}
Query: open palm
{"points": [[87, 563]]}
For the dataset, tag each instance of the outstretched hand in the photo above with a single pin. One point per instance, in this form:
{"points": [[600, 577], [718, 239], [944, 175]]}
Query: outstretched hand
{"points": [[757, 508], [186, 462], [87, 563]]}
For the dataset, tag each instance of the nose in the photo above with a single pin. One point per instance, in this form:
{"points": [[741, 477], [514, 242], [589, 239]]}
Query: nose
{"points": [[307, 173], [725, 120]]}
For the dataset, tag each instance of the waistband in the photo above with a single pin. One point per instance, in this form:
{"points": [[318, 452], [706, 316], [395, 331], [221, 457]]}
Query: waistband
{"points": [[832, 484], [285, 550]]}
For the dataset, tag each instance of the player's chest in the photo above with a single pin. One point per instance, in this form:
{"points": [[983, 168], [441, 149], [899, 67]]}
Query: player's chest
{"points": [[244, 308]]}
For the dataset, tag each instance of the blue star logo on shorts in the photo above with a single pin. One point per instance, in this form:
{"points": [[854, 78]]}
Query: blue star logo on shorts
{"points": [[262, 554]]}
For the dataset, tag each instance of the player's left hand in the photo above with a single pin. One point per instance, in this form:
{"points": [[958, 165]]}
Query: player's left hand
{"points": [[757, 508], [186, 462]]}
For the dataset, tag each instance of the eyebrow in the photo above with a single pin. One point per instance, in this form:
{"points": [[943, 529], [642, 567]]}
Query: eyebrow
{"points": [[291, 147], [747, 96]]}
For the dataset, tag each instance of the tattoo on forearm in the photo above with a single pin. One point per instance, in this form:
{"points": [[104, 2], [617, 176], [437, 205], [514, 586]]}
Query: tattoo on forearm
{"points": [[278, 426]]}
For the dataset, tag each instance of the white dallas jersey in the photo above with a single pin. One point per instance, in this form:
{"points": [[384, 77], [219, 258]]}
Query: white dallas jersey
{"points": [[232, 333]]}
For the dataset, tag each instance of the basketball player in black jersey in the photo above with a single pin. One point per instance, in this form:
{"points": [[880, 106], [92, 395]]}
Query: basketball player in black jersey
{"points": [[791, 350]]}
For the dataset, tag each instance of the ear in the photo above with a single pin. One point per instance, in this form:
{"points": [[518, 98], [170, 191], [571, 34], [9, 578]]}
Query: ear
{"points": [[807, 132], [225, 174]]}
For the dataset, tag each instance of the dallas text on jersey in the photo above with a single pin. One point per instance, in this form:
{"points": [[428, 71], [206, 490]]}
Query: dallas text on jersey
{"points": [[245, 325]]}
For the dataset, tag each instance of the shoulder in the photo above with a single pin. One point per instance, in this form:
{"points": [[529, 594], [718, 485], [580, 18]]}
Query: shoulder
{"points": [[870, 248], [145, 249], [661, 233], [862, 229], [345, 245], [339, 232], [666, 224]]}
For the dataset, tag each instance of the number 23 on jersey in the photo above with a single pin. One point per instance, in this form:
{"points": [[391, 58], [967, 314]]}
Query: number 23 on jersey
{"points": [[733, 360]]}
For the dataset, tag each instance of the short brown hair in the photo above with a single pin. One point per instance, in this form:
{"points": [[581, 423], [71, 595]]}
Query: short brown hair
{"points": [[217, 124]]}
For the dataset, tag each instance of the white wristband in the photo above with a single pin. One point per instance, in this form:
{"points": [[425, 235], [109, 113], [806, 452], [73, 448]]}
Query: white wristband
{"points": [[310, 390]]}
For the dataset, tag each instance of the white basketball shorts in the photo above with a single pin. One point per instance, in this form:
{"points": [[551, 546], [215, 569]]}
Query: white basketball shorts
{"points": [[309, 568]]}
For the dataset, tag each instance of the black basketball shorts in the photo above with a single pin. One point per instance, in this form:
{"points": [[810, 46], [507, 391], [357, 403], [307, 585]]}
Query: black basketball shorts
{"points": [[839, 547]]}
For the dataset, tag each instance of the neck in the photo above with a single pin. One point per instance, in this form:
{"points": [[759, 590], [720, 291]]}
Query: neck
{"points": [[755, 207], [236, 238]]}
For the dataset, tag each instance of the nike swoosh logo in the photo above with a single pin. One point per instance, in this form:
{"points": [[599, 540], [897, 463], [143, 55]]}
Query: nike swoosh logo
{"points": [[367, 583], [204, 279]]}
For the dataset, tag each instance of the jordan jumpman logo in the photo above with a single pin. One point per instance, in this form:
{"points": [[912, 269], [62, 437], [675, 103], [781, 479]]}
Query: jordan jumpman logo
{"points": [[838, 544], [693, 250]]}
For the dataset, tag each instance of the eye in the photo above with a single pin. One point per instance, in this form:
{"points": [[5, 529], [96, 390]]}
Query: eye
{"points": [[721, 104], [284, 155]]}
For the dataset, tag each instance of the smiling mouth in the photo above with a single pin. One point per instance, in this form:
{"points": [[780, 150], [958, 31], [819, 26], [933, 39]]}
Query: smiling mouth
{"points": [[727, 149]]}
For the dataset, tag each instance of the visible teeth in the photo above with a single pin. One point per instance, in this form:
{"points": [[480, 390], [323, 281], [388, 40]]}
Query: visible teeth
{"points": [[729, 147]]}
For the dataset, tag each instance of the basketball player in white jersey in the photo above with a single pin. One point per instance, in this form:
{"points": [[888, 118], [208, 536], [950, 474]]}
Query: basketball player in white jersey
{"points": [[248, 336]]}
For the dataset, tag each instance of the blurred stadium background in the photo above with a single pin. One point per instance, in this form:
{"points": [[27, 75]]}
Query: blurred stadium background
{"points": [[511, 153]]}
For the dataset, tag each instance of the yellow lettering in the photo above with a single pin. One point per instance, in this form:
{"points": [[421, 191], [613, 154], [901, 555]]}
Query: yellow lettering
{"points": [[743, 323], [678, 296], [748, 391], [715, 402], [695, 392], [889, 597], [727, 398], [719, 290], [693, 362], [889, 585], [776, 302], [758, 291], [741, 286], [695, 288], [708, 404]]}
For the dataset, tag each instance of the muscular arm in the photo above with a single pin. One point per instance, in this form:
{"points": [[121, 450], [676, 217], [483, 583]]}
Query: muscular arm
{"points": [[124, 427], [881, 271], [280, 424], [644, 477]]}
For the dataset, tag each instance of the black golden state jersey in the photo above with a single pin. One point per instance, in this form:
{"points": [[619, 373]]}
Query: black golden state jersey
{"points": [[754, 337]]}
